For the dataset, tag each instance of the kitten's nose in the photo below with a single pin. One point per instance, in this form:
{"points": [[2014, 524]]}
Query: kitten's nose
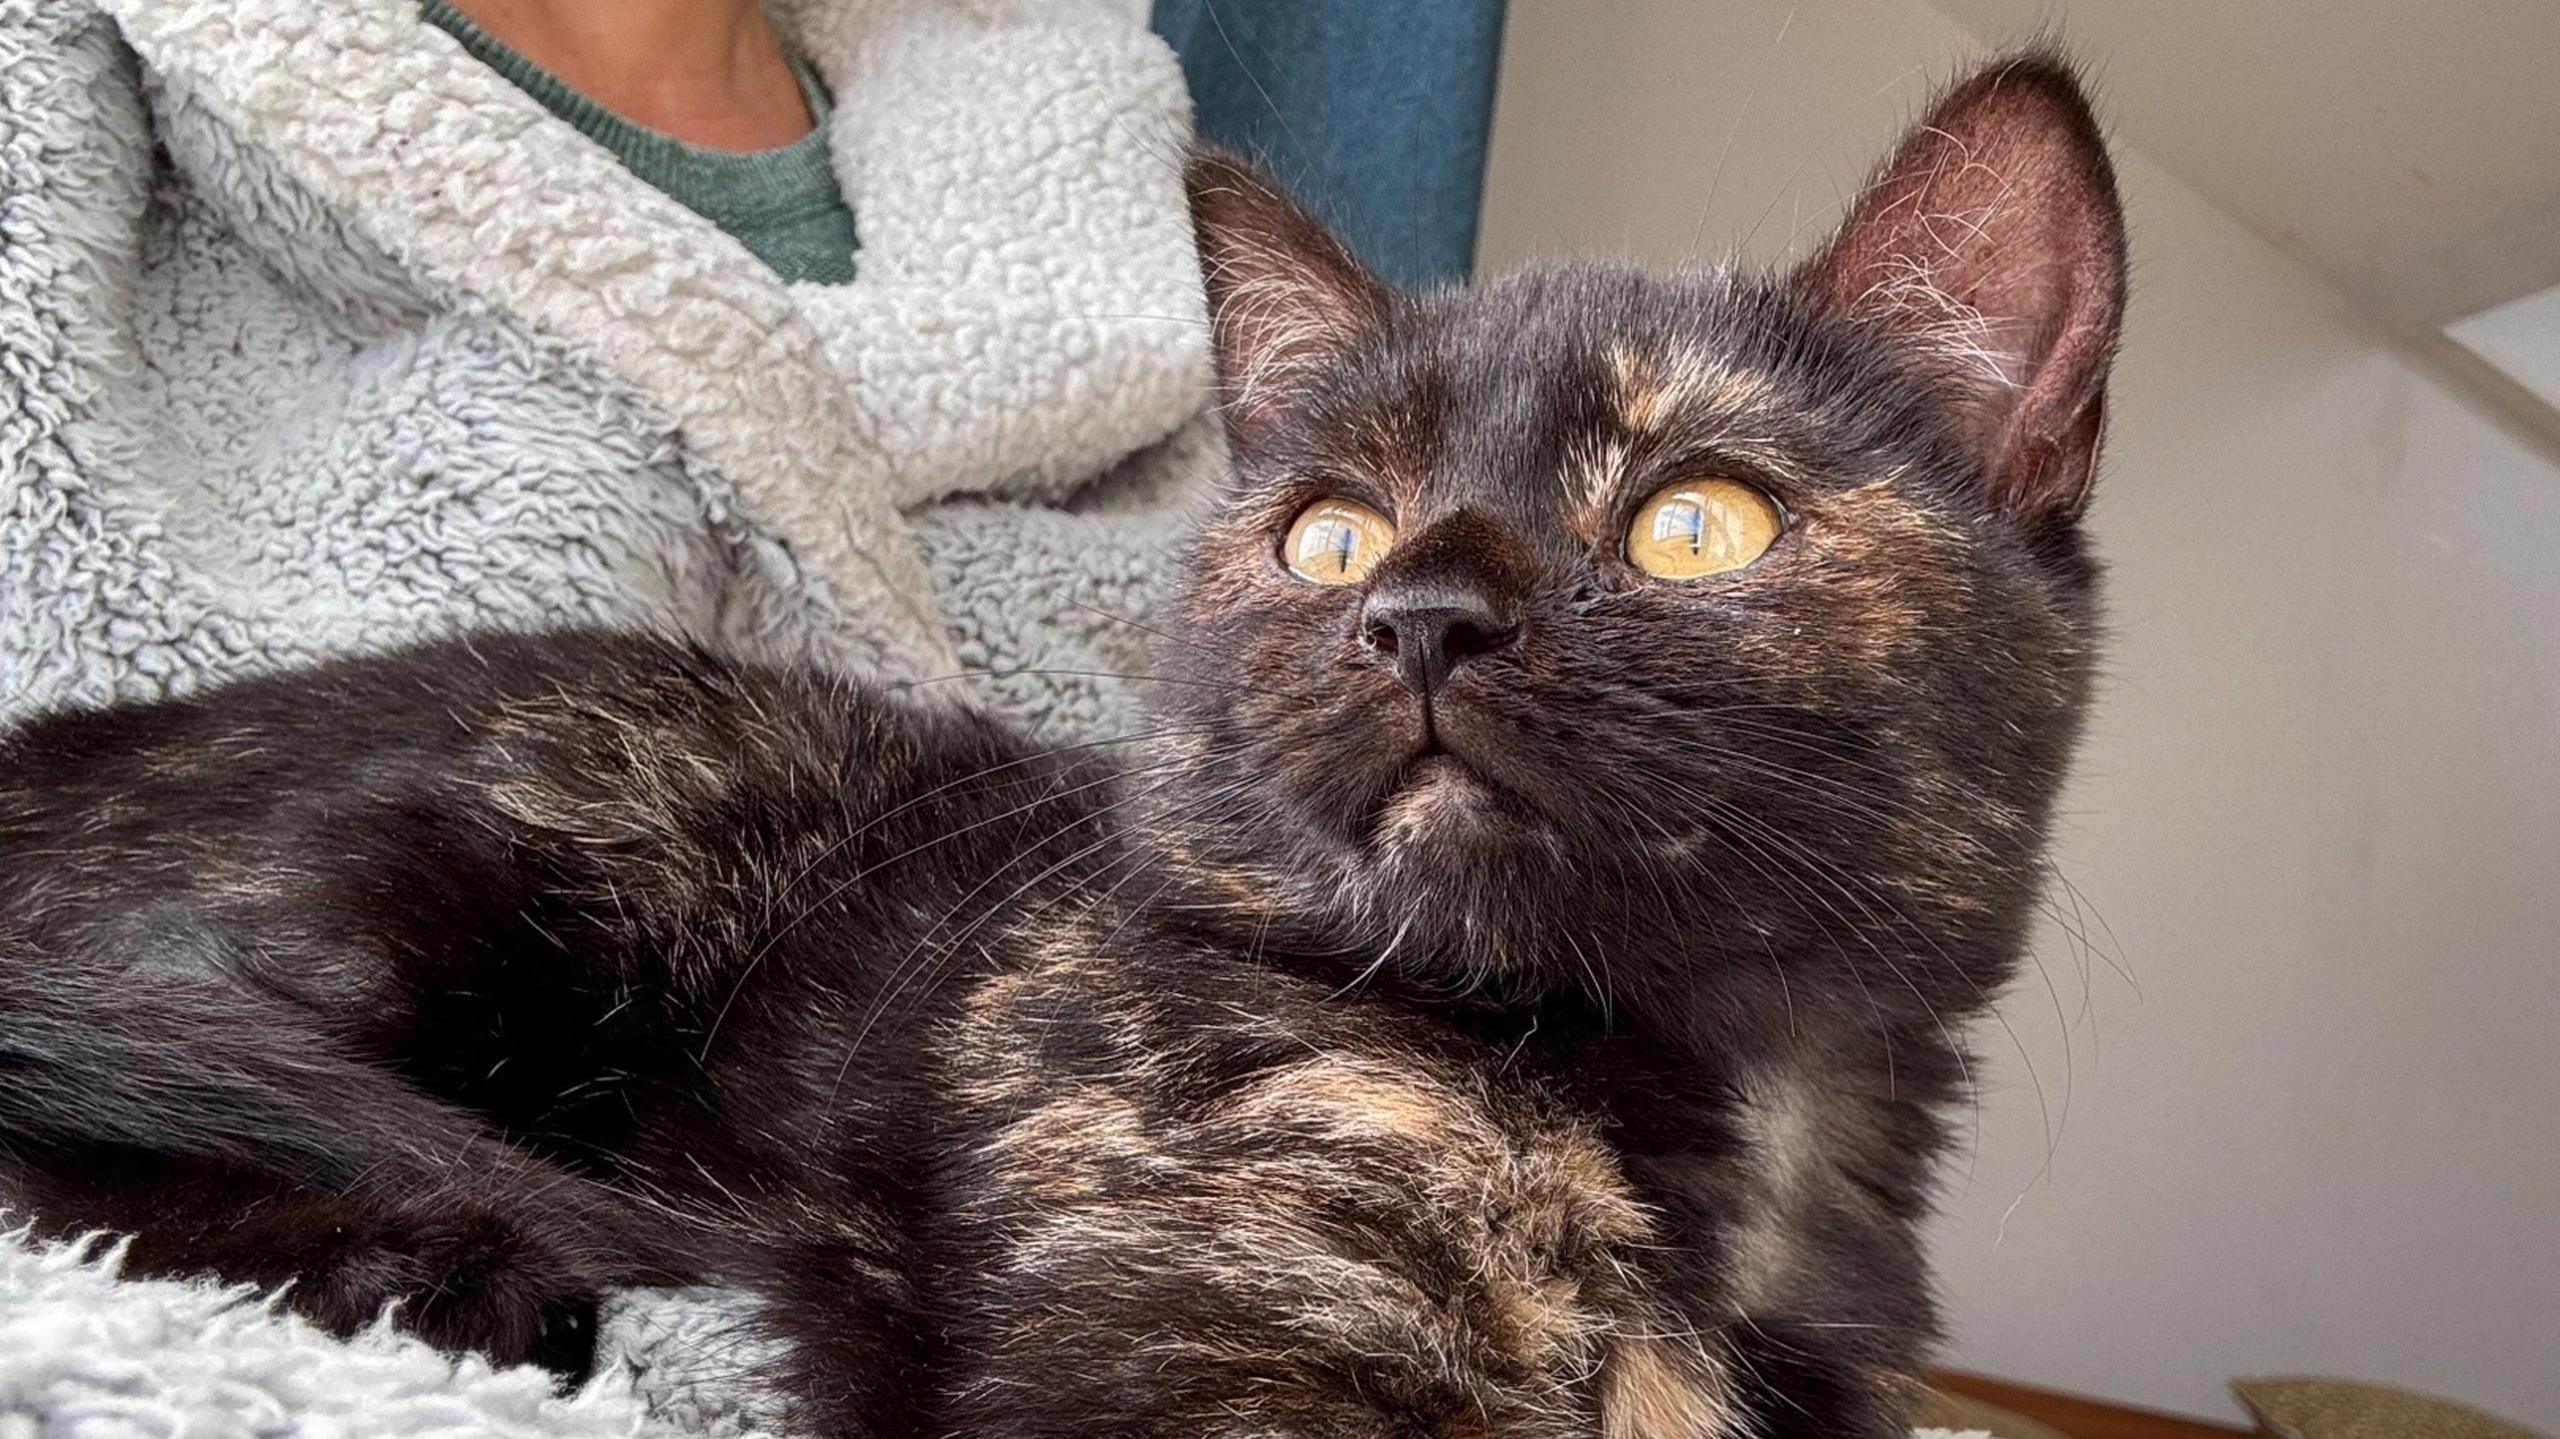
{"points": [[1429, 630]]}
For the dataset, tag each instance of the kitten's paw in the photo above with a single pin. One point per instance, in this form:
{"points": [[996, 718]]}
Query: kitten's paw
{"points": [[465, 1282]]}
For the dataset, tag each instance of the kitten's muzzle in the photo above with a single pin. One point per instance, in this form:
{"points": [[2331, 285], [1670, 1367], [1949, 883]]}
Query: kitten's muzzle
{"points": [[1427, 631]]}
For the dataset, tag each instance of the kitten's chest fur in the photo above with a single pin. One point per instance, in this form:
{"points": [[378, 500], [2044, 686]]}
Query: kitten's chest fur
{"points": [[1635, 1228], [1766, 1164]]}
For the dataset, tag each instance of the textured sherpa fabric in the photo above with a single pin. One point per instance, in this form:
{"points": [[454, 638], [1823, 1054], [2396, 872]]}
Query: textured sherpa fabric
{"points": [[316, 335], [85, 1355]]}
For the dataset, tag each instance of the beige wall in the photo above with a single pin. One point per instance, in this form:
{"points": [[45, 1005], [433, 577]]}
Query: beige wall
{"points": [[2320, 808]]}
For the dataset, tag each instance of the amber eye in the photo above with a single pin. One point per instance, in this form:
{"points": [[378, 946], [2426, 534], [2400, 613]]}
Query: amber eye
{"points": [[1337, 542], [1702, 527]]}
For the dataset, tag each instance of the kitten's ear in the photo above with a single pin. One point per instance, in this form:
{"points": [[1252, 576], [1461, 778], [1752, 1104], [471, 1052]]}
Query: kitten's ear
{"points": [[1992, 247], [1285, 297]]}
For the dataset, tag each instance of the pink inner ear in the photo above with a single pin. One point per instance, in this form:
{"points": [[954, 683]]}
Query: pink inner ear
{"points": [[1992, 247]]}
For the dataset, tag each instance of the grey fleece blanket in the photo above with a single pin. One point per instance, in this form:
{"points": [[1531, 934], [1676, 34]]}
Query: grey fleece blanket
{"points": [[316, 335]]}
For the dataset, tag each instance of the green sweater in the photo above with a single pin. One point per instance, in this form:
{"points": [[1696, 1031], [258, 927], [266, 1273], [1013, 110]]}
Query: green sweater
{"points": [[783, 205]]}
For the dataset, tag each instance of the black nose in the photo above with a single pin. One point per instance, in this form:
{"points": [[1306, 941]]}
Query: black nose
{"points": [[1430, 630]]}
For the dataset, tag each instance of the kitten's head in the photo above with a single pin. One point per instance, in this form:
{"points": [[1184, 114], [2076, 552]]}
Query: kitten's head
{"points": [[1692, 624]]}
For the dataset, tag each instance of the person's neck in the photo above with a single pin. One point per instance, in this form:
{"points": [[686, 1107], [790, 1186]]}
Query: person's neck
{"points": [[708, 72]]}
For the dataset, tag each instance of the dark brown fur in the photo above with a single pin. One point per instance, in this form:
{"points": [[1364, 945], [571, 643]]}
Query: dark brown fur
{"points": [[1554, 1047]]}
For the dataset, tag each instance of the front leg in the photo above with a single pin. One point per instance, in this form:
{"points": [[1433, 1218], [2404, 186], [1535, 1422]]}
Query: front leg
{"points": [[232, 1134], [493, 1262], [1208, 1228]]}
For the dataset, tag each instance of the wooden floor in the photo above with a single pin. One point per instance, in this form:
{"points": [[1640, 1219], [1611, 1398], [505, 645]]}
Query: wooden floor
{"points": [[2076, 1416]]}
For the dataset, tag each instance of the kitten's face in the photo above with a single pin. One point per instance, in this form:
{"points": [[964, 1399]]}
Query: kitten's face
{"points": [[1595, 611]]}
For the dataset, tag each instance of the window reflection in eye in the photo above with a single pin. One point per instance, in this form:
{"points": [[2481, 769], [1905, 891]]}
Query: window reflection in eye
{"points": [[1336, 542], [1329, 542], [1682, 521], [1702, 527]]}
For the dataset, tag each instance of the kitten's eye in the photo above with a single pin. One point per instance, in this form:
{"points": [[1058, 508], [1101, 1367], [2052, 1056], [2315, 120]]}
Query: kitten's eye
{"points": [[1337, 542], [1702, 527]]}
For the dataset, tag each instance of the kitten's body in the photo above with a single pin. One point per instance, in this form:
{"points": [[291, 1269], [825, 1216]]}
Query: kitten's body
{"points": [[1544, 1035], [1060, 1118]]}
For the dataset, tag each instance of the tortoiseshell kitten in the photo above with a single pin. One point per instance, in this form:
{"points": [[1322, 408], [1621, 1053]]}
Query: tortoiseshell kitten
{"points": [[1609, 736]]}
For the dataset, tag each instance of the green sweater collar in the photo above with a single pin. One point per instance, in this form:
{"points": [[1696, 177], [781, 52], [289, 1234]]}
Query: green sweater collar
{"points": [[783, 204]]}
